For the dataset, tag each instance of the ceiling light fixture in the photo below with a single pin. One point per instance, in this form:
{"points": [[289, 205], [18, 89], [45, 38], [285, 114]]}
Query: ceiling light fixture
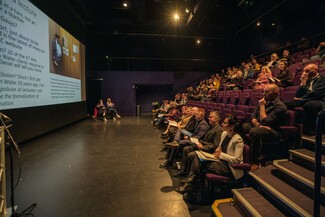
{"points": [[187, 10], [125, 4], [258, 24], [176, 17], [198, 41]]}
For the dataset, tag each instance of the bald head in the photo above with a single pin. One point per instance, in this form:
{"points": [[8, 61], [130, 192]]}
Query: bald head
{"points": [[311, 70], [271, 92]]}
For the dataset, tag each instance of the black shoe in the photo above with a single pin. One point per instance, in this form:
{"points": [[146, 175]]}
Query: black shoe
{"points": [[166, 164], [180, 174]]}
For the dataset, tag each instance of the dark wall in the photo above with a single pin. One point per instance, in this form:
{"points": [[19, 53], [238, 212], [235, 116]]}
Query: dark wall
{"points": [[120, 85], [293, 21], [28, 123]]}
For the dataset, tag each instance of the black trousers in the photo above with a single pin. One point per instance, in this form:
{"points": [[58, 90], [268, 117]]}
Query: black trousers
{"points": [[259, 136], [311, 110]]}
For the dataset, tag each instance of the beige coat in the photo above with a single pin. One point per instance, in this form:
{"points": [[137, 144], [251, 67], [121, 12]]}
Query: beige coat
{"points": [[234, 153]]}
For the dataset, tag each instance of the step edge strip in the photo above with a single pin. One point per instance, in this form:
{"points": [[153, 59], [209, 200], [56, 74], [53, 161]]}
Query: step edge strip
{"points": [[293, 174], [306, 157], [215, 204], [283, 198], [246, 204]]}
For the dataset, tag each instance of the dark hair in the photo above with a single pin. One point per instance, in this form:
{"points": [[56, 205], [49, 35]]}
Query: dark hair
{"points": [[233, 121]]}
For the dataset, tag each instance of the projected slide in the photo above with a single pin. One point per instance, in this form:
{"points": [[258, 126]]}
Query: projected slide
{"points": [[40, 62]]}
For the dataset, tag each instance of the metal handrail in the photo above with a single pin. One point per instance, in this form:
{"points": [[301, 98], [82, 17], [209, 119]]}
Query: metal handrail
{"points": [[320, 123]]}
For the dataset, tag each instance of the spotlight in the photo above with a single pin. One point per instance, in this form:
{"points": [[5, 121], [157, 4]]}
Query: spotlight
{"points": [[258, 24], [198, 41], [125, 4], [187, 10], [273, 24], [176, 17]]}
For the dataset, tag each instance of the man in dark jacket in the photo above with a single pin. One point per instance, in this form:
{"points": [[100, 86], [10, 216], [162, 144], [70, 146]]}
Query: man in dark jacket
{"points": [[177, 145], [310, 96], [208, 143]]}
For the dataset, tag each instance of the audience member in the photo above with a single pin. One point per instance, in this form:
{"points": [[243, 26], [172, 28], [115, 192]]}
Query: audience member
{"points": [[181, 139], [284, 77], [287, 57], [229, 151], [310, 95], [255, 66], [248, 72], [208, 143], [263, 78], [320, 53], [237, 82], [265, 122], [111, 109], [274, 61], [101, 110]]}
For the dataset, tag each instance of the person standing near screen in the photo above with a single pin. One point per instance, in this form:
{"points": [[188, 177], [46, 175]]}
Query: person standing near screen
{"points": [[56, 52]]}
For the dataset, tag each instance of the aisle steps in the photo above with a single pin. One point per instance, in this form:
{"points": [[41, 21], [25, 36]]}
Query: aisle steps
{"points": [[287, 186]]}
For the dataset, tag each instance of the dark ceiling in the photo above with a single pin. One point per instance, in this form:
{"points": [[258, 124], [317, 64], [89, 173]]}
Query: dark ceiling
{"points": [[144, 30], [207, 18]]}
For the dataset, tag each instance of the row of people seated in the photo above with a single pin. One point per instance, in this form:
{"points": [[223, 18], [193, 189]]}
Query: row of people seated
{"points": [[281, 74], [104, 111], [225, 141], [261, 130], [311, 90]]}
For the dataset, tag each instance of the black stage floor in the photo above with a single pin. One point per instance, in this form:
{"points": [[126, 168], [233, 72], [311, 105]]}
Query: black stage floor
{"points": [[97, 169]]}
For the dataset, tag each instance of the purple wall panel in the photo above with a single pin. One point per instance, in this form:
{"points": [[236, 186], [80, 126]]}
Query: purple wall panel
{"points": [[119, 85]]}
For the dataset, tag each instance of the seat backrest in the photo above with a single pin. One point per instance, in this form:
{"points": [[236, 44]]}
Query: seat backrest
{"points": [[290, 118], [291, 88], [246, 153]]}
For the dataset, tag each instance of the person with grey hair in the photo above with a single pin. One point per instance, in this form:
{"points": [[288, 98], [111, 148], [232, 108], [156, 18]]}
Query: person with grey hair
{"points": [[208, 143]]}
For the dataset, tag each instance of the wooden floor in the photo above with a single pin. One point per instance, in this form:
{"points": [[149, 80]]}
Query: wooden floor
{"points": [[97, 169]]}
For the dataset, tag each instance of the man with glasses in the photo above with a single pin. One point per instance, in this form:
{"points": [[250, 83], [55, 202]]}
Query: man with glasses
{"points": [[265, 122], [310, 96]]}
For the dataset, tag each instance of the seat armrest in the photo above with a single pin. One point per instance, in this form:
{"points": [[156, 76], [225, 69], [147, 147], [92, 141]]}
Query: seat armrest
{"points": [[244, 166]]}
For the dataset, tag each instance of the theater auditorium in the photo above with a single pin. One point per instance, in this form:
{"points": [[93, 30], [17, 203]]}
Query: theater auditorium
{"points": [[162, 108]]}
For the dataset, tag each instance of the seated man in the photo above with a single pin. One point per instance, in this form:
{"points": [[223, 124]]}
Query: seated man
{"points": [[178, 143], [310, 95], [186, 122], [208, 143], [265, 122]]}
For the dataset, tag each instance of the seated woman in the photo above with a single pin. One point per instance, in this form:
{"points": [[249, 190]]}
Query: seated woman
{"points": [[173, 114], [284, 77], [111, 109], [229, 151], [263, 78], [273, 61], [187, 121], [101, 110]]}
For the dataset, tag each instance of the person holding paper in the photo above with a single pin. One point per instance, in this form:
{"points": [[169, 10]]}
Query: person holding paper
{"points": [[208, 143], [187, 122], [229, 151], [177, 145]]}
